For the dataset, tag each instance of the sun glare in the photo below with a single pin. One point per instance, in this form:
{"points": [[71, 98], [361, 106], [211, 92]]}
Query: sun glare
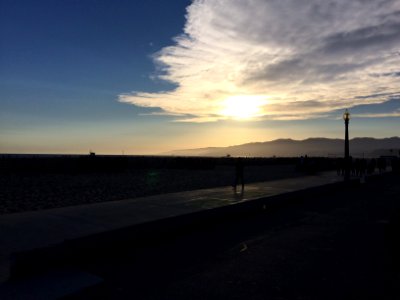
{"points": [[243, 107]]}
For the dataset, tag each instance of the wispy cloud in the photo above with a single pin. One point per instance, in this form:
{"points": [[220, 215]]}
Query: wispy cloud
{"points": [[378, 115], [299, 58]]}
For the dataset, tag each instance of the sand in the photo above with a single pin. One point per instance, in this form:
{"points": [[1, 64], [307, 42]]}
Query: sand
{"points": [[32, 191]]}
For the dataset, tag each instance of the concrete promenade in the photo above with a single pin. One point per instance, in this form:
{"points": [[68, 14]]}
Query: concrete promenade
{"points": [[334, 242], [22, 232], [30, 242]]}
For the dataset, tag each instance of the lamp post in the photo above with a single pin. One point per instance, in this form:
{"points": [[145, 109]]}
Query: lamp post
{"points": [[346, 118]]}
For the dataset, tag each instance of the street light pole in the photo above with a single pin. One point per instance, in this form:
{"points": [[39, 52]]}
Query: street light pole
{"points": [[346, 118]]}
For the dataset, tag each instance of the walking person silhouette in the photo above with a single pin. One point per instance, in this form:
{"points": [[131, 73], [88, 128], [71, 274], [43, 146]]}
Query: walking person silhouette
{"points": [[239, 168]]}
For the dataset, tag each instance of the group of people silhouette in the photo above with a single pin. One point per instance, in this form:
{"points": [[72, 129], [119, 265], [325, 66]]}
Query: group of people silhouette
{"points": [[361, 166]]}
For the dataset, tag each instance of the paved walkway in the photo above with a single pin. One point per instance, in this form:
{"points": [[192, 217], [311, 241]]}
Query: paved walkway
{"points": [[340, 243], [32, 230]]}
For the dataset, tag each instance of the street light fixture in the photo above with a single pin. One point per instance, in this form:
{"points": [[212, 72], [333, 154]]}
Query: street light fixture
{"points": [[346, 118], [346, 115]]}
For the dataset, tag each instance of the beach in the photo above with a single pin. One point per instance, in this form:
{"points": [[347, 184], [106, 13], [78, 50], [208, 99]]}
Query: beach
{"points": [[26, 191]]}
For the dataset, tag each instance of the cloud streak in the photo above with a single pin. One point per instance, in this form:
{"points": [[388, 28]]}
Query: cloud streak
{"points": [[378, 115], [300, 58]]}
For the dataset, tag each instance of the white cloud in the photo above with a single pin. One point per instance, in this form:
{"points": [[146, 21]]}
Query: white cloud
{"points": [[300, 58]]}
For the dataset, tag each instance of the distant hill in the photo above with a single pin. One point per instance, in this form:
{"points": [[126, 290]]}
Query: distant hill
{"points": [[368, 147]]}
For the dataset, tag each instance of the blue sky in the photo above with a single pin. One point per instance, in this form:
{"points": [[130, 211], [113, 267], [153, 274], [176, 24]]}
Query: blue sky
{"points": [[150, 76]]}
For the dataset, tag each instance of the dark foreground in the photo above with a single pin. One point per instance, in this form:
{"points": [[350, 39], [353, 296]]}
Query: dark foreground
{"points": [[341, 245]]}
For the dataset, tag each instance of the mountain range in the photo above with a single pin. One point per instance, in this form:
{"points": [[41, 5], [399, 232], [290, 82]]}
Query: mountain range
{"points": [[325, 147]]}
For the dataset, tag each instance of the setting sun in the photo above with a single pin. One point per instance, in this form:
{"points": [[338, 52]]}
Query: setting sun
{"points": [[243, 106]]}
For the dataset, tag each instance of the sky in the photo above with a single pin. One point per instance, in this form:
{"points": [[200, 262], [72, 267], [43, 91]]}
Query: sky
{"points": [[146, 77]]}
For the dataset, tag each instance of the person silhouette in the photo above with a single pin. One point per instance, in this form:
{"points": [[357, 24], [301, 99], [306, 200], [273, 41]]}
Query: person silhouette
{"points": [[239, 168]]}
